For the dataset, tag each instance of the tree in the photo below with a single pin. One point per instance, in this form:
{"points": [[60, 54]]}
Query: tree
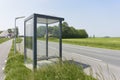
{"points": [[71, 32], [9, 30], [55, 31], [82, 33], [74, 32], [65, 30], [41, 31]]}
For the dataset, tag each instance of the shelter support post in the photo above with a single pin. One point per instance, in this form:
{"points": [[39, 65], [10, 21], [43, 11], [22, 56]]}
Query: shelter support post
{"points": [[47, 40], [60, 41], [35, 43]]}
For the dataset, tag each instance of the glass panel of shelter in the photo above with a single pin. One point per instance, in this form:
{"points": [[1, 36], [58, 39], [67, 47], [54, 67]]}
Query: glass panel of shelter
{"points": [[41, 40], [29, 41], [53, 39]]}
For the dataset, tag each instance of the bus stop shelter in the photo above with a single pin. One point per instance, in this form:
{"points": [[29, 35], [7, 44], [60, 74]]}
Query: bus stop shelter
{"points": [[36, 38]]}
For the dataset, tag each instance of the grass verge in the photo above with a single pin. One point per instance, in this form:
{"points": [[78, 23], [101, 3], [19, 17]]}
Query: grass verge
{"points": [[3, 40], [64, 71], [15, 70], [19, 40]]}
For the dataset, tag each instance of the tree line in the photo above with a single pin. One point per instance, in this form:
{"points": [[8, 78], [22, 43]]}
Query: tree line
{"points": [[71, 32], [67, 31]]}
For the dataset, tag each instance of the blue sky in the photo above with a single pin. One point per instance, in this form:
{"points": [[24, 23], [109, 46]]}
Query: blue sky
{"points": [[98, 17]]}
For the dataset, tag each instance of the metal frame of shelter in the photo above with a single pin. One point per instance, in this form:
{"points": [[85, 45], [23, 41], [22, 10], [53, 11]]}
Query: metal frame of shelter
{"points": [[42, 19]]}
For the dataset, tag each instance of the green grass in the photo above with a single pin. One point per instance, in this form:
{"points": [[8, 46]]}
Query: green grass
{"points": [[15, 70], [61, 71], [19, 40], [109, 43], [3, 40], [49, 39]]}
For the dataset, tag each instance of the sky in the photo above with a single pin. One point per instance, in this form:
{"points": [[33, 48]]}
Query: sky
{"points": [[98, 17]]}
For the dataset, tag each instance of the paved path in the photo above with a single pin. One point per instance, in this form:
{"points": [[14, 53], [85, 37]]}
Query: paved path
{"points": [[4, 50]]}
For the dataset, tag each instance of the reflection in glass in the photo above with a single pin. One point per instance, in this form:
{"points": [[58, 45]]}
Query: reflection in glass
{"points": [[53, 39], [29, 40], [41, 40]]}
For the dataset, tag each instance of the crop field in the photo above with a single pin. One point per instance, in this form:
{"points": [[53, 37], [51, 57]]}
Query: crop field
{"points": [[109, 43]]}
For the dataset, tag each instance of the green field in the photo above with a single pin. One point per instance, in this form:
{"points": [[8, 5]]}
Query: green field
{"points": [[3, 40], [109, 43]]}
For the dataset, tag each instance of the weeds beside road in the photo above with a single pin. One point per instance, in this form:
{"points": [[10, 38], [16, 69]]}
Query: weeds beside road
{"points": [[19, 40], [16, 70], [3, 40]]}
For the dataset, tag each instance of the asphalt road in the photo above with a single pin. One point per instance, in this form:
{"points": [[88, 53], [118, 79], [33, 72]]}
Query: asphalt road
{"points": [[106, 55], [4, 50]]}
